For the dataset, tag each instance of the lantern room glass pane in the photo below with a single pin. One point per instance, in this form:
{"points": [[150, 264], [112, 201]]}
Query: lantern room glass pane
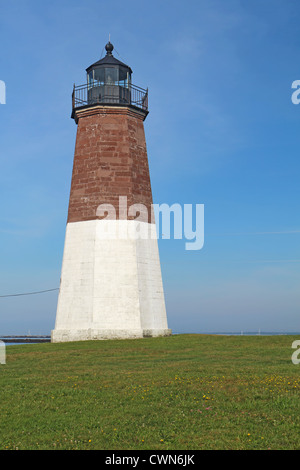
{"points": [[122, 74], [90, 80], [99, 77], [124, 77], [111, 75]]}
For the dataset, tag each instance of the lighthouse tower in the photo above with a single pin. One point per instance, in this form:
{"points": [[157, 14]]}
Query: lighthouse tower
{"points": [[111, 284]]}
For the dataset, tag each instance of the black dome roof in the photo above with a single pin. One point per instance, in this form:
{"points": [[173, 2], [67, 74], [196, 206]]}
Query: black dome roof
{"points": [[109, 59]]}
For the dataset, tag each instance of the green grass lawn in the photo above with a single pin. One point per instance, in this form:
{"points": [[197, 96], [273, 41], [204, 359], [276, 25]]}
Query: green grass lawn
{"points": [[180, 392]]}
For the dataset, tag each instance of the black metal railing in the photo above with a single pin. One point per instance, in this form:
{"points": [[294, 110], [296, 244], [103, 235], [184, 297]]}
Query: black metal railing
{"points": [[86, 95]]}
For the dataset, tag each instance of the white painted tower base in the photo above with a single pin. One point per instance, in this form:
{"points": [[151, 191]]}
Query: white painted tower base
{"points": [[111, 283]]}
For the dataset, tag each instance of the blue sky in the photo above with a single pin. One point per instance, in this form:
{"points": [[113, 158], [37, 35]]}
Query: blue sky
{"points": [[222, 131]]}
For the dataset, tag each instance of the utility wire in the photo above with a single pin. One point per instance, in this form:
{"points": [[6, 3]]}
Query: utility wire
{"points": [[119, 54], [30, 293]]}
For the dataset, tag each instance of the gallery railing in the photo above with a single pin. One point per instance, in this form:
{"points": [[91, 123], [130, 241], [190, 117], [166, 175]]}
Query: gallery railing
{"points": [[86, 95]]}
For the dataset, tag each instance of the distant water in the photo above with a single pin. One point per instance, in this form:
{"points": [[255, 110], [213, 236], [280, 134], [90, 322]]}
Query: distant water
{"points": [[242, 333], [257, 333], [9, 340]]}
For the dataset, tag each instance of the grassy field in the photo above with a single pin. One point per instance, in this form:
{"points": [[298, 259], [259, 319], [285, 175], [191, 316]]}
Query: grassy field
{"points": [[181, 392]]}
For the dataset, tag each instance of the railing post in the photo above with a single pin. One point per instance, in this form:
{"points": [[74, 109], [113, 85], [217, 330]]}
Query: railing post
{"points": [[73, 97]]}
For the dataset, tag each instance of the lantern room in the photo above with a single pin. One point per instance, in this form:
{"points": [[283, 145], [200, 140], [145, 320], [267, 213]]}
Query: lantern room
{"points": [[109, 84], [109, 80]]}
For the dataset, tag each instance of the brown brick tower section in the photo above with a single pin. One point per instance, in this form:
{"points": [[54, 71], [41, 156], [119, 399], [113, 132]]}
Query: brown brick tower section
{"points": [[110, 161]]}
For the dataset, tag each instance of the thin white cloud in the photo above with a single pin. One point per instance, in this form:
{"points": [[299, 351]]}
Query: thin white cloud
{"points": [[276, 261], [279, 232]]}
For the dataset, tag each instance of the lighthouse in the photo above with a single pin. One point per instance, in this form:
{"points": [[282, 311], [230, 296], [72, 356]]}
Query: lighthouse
{"points": [[111, 283]]}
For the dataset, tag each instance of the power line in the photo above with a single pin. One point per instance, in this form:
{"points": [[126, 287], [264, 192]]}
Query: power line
{"points": [[30, 293]]}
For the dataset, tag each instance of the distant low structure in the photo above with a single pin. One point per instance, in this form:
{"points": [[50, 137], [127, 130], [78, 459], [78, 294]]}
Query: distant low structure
{"points": [[111, 283], [25, 339], [2, 353]]}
